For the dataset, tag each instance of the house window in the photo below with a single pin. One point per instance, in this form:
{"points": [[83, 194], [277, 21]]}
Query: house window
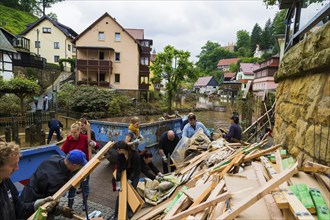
{"points": [[101, 35], [144, 61], [74, 49], [102, 76], [144, 80], [117, 36], [101, 55], [56, 45], [46, 30], [56, 58], [69, 47], [117, 78], [17, 56], [117, 56], [145, 43], [37, 44]]}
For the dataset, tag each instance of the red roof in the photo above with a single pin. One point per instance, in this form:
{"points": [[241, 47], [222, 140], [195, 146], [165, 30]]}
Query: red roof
{"points": [[229, 75], [227, 62], [203, 81], [138, 34], [248, 68]]}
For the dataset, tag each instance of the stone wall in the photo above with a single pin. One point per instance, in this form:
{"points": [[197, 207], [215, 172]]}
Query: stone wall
{"points": [[302, 119]]}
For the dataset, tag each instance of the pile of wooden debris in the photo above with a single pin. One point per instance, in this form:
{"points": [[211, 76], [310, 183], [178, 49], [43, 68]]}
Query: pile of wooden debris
{"points": [[242, 182]]}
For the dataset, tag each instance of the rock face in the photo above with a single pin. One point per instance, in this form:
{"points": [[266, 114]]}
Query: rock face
{"points": [[302, 117]]}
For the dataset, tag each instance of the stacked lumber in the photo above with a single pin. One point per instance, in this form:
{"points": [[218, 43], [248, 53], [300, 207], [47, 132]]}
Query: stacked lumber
{"points": [[244, 185]]}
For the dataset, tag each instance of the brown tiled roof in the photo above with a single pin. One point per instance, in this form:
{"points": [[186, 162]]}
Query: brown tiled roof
{"points": [[203, 81], [227, 62], [248, 68], [138, 34], [229, 75]]}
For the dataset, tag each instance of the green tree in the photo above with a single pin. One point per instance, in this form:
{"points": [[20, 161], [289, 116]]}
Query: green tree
{"points": [[218, 75], [22, 88], [174, 66], [53, 16], [210, 55], [267, 39], [243, 42], [64, 96], [255, 36], [279, 22]]}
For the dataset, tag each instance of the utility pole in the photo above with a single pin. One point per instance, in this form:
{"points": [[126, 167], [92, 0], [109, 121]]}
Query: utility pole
{"points": [[38, 42]]}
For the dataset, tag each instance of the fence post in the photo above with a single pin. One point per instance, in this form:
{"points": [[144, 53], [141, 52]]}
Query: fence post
{"points": [[7, 134]]}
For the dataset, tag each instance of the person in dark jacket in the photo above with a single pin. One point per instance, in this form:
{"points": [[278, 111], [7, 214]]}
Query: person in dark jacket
{"points": [[127, 159], [54, 125], [167, 144], [12, 207], [235, 132], [147, 166]]}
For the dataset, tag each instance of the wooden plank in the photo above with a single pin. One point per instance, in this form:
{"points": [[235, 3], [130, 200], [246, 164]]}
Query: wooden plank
{"points": [[122, 210], [274, 211], [176, 206], [315, 167], [200, 207], [195, 192], [323, 180], [215, 192], [259, 193], [78, 177], [260, 153], [156, 210], [297, 208], [139, 214], [134, 199], [280, 200]]}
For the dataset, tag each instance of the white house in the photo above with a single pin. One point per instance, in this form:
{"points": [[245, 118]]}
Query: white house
{"points": [[245, 73], [207, 85], [6, 57]]}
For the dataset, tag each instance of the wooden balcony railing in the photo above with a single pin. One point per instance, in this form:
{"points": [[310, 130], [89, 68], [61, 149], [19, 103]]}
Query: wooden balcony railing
{"points": [[93, 63]]}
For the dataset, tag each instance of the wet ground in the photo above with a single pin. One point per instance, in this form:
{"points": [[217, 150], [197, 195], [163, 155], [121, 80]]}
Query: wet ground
{"points": [[101, 197]]}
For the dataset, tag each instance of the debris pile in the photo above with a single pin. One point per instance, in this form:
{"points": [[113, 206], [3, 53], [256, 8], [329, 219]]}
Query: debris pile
{"points": [[228, 180]]}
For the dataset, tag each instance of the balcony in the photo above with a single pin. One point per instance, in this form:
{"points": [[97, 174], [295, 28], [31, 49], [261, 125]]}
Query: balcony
{"points": [[102, 64], [143, 86], [104, 84]]}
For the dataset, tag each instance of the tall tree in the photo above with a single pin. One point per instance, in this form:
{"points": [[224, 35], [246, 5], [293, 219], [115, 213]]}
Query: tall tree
{"points": [[279, 22], [174, 66], [210, 55], [267, 39], [243, 42], [256, 35]]}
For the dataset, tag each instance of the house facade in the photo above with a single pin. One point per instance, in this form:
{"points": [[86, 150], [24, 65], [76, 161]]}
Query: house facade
{"points": [[224, 64], [50, 39], [110, 56], [6, 56], [206, 85], [264, 76], [245, 73]]}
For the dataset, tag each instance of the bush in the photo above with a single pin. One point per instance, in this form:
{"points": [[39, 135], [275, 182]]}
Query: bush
{"points": [[9, 103]]}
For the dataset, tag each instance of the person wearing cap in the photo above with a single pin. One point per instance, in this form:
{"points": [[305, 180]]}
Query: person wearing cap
{"points": [[167, 144], [81, 142], [235, 132], [51, 175], [12, 206], [193, 126]]}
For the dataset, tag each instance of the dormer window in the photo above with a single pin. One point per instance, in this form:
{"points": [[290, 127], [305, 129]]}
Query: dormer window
{"points": [[46, 30]]}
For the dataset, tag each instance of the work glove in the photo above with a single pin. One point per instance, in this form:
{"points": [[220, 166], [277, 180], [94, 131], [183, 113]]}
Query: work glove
{"points": [[92, 143], [40, 202], [164, 159], [159, 177], [64, 211], [118, 188], [141, 137], [136, 142], [129, 181]]}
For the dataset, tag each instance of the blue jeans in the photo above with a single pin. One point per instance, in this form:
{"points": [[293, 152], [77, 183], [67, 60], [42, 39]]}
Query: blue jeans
{"points": [[84, 186], [51, 132]]}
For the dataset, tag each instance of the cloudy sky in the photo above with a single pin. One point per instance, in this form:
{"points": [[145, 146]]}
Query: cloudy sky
{"points": [[187, 25]]}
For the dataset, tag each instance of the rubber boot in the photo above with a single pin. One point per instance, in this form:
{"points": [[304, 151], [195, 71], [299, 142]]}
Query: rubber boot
{"points": [[70, 203], [85, 203]]}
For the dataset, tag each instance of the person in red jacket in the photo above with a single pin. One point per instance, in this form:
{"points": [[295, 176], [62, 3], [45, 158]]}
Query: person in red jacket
{"points": [[84, 143]]}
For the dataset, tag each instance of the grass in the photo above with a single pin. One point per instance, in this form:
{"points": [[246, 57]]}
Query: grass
{"points": [[16, 20]]}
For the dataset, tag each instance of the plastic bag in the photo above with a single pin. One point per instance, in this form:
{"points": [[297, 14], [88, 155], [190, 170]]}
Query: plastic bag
{"points": [[180, 150]]}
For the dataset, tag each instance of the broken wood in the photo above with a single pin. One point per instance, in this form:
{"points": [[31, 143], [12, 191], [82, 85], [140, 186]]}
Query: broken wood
{"points": [[297, 208], [134, 199], [315, 167], [122, 209], [259, 193], [200, 207], [260, 153]]}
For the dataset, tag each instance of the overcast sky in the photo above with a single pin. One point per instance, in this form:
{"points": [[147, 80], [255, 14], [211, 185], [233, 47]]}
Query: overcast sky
{"points": [[187, 25]]}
